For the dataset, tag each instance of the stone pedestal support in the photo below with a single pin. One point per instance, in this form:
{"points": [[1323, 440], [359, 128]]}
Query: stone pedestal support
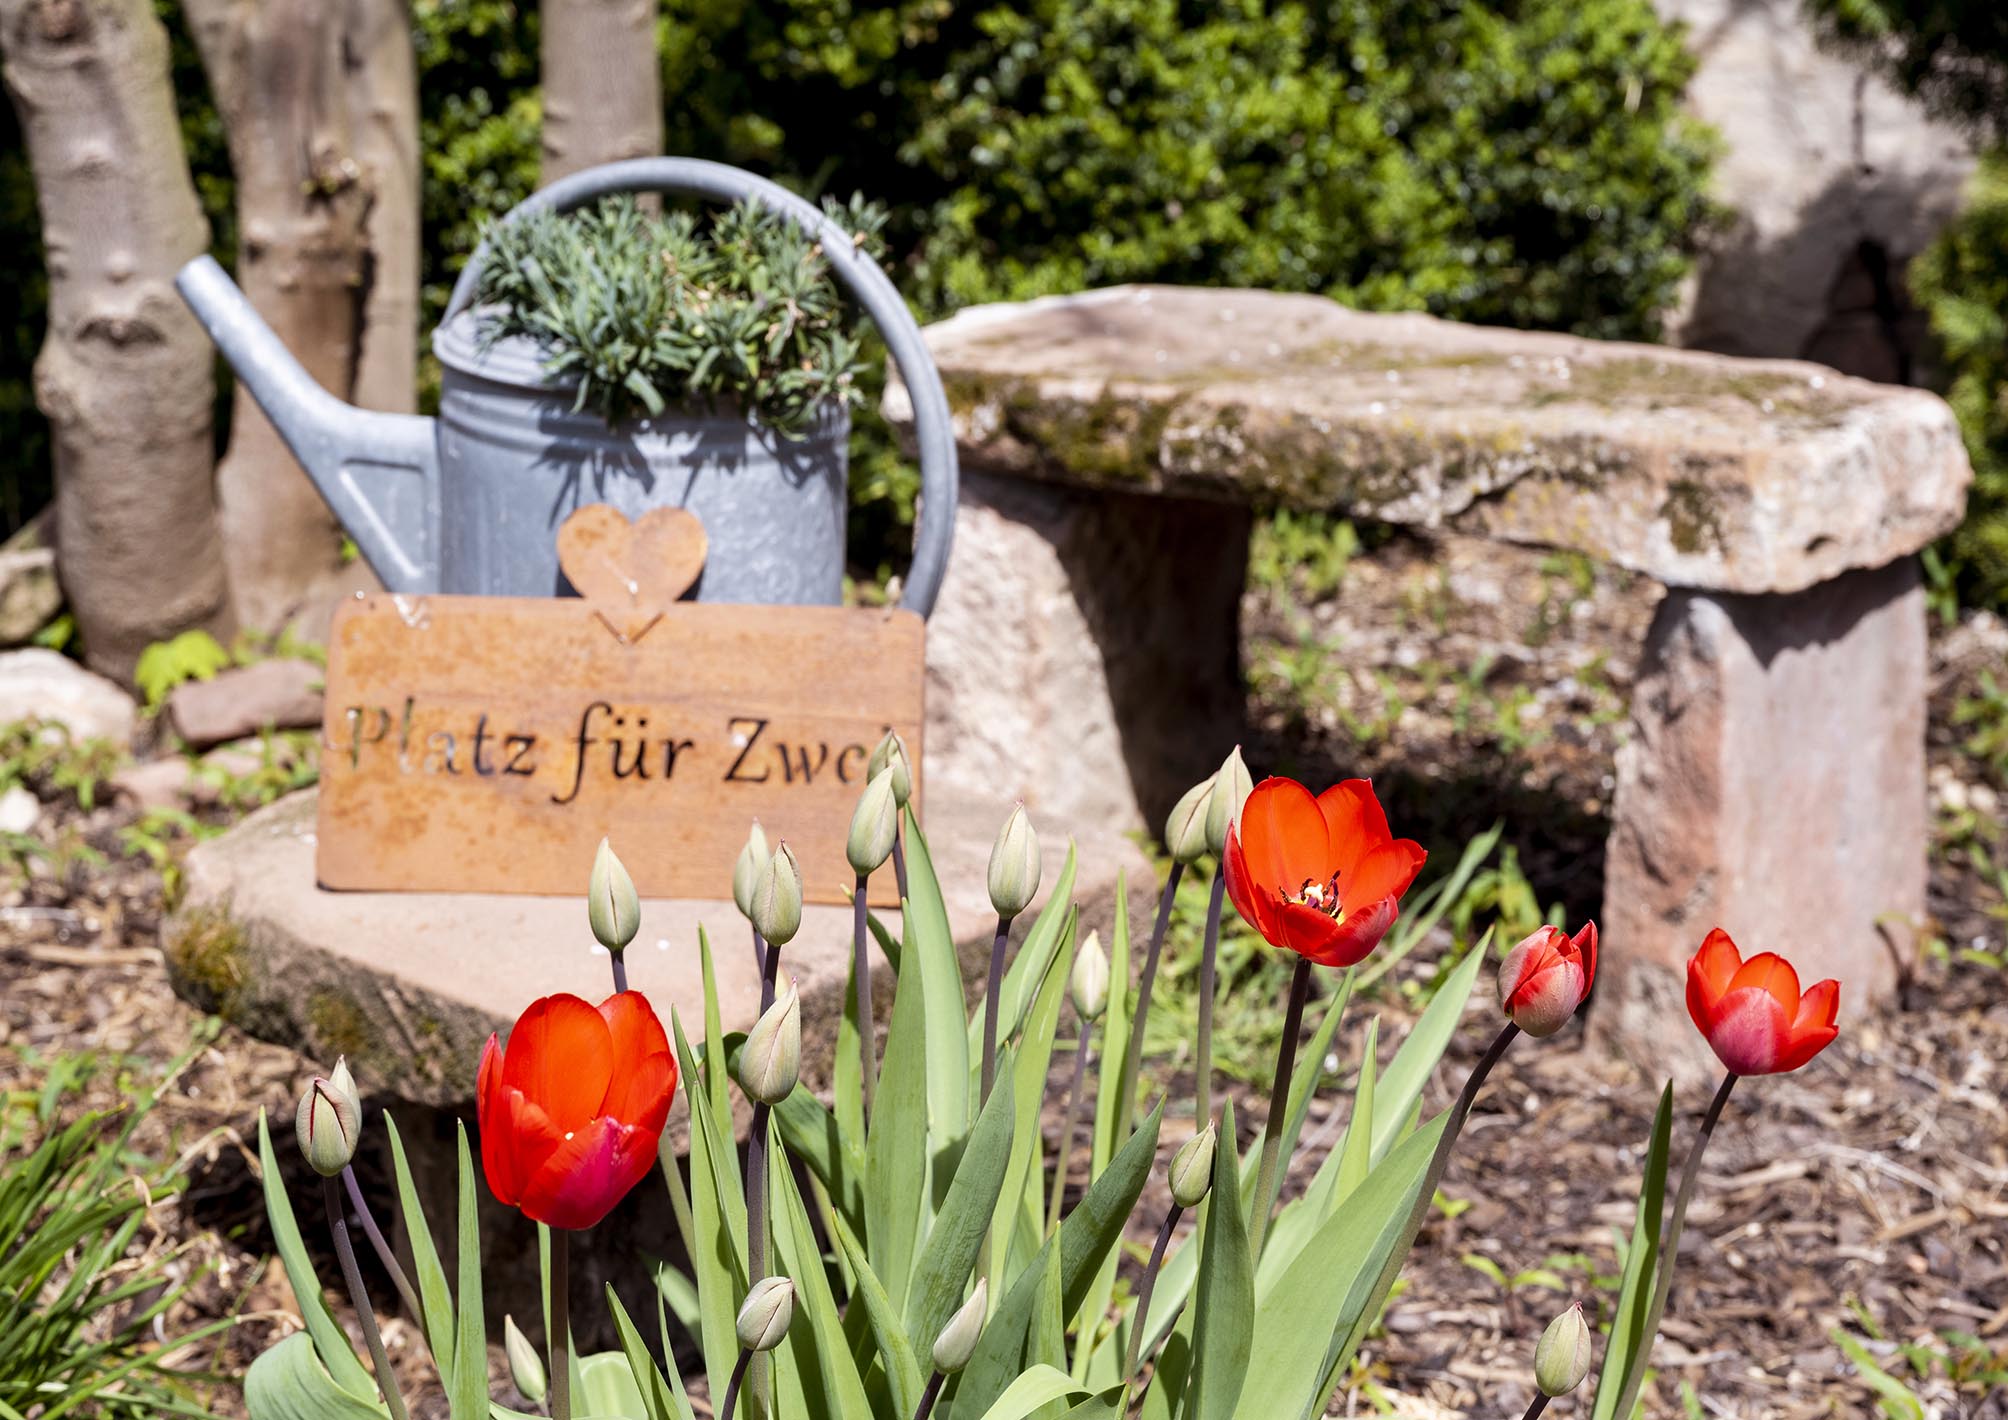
{"points": [[1084, 655], [1774, 785]]}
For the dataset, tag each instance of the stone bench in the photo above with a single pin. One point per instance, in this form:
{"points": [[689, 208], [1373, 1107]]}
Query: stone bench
{"points": [[1084, 653]]}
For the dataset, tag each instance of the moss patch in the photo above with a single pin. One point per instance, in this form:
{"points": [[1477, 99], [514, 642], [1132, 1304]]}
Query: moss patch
{"points": [[205, 958], [337, 1025], [1692, 517]]}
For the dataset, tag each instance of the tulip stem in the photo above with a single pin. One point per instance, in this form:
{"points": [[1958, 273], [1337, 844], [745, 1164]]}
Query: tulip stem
{"points": [[620, 973], [1068, 1122], [380, 1247], [1140, 1321], [927, 1397], [759, 953], [732, 1386], [756, 1195], [861, 980], [338, 1224], [561, 1324], [1669, 1247], [1133, 1057], [1208, 964], [770, 968], [991, 1003], [1279, 1104], [1534, 1411], [899, 859]]}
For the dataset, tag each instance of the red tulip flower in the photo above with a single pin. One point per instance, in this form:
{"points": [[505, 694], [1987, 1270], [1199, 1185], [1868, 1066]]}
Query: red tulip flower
{"points": [[1752, 1013], [1319, 876], [571, 1112], [1545, 978]]}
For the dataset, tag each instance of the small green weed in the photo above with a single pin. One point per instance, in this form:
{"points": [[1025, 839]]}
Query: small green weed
{"points": [[41, 755], [1302, 555], [1984, 718]]}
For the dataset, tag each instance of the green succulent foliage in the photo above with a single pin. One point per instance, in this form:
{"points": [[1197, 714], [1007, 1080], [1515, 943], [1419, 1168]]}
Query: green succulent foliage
{"points": [[736, 306]]}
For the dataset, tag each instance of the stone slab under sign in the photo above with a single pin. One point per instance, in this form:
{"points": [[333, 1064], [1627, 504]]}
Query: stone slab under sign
{"points": [[409, 985]]}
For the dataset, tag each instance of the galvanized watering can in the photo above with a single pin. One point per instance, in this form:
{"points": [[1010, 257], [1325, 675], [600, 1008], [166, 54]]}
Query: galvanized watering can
{"points": [[470, 502]]}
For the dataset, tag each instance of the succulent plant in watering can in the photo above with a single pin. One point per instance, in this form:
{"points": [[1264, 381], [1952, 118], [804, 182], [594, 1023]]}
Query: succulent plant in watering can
{"points": [[470, 502]]}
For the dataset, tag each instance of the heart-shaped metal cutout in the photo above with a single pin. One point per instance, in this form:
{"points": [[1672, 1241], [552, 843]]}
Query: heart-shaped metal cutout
{"points": [[643, 565]]}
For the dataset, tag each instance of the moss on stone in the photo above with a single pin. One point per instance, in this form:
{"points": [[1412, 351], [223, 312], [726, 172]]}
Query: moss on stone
{"points": [[205, 956], [1692, 518], [337, 1025]]}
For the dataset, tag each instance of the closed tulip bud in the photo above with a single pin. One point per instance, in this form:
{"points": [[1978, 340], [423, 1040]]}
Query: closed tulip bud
{"points": [[765, 1314], [1563, 1357], [747, 868], [329, 1123], [1192, 1168], [1545, 978], [1232, 785], [891, 754], [771, 1060], [612, 907], [777, 899], [957, 1342], [874, 825], [526, 1367], [1185, 830], [1089, 985], [343, 1080], [1014, 864]]}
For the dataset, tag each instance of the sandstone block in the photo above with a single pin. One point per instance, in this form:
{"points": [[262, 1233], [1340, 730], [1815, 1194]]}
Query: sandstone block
{"points": [[39, 684], [277, 694], [1773, 785]]}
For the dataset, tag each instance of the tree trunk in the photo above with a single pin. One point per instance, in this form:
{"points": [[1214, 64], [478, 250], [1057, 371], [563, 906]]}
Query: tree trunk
{"points": [[126, 375], [383, 105], [602, 84], [277, 70]]}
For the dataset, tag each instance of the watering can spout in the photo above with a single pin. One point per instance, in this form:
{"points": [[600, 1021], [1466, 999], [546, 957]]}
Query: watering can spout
{"points": [[378, 472]]}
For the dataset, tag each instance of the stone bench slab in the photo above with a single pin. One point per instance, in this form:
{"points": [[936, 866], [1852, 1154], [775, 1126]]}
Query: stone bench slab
{"points": [[409, 985], [1699, 470]]}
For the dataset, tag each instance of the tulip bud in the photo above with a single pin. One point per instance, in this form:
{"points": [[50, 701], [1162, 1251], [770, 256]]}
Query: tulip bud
{"points": [[526, 1367], [771, 1060], [1089, 985], [612, 908], [874, 825], [777, 898], [765, 1314], [345, 1081], [1014, 864], [1563, 1357], [1231, 787], [1185, 830], [329, 1123], [891, 754], [957, 1342], [1192, 1168], [1545, 978], [746, 870]]}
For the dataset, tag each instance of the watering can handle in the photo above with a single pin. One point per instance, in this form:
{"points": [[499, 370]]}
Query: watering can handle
{"points": [[695, 177]]}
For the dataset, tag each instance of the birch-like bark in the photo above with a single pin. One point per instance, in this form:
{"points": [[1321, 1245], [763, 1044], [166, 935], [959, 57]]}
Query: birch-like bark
{"points": [[125, 373], [382, 74], [602, 83]]}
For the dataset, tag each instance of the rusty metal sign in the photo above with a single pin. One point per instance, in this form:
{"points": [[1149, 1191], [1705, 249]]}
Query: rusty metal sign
{"points": [[485, 744]]}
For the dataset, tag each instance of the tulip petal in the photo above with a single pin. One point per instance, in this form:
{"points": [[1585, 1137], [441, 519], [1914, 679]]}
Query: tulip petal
{"points": [[1330, 941], [516, 1139], [1820, 1006], [1385, 872], [644, 1076], [491, 1112], [1709, 972], [561, 1056], [1283, 838], [1355, 821], [590, 1172], [1769, 972], [1585, 942], [1749, 1032]]}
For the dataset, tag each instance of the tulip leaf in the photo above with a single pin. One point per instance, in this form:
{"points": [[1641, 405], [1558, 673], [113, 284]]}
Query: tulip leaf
{"points": [[607, 1388], [1355, 1153], [897, 1152], [658, 1401], [1034, 1388], [1311, 1307], [434, 1296], [1413, 1064], [467, 1396], [1017, 1227], [1047, 1345], [829, 1376], [718, 1234], [1107, 1405], [1224, 1323], [1302, 1090], [328, 1338], [1630, 1345], [942, 1272], [895, 1349], [815, 1136], [1112, 1112], [927, 951], [716, 1087], [288, 1382], [1028, 967]]}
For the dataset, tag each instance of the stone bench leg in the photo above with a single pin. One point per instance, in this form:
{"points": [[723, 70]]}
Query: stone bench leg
{"points": [[1084, 654], [1773, 785]]}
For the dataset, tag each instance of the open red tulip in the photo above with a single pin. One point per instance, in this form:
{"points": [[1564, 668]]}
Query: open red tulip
{"points": [[1752, 1012], [1320, 876], [572, 1110], [1545, 978]]}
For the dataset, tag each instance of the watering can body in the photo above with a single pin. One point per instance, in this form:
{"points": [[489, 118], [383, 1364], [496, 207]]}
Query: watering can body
{"points": [[470, 502]]}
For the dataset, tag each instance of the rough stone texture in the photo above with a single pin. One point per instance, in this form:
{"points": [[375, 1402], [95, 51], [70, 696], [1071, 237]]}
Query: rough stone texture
{"points": [[276, 694], [1833, 182], [1773, 785], [1084, 653], [1698, 470], [29, 595], [39, 684], [409, 985], [157, 783]]}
